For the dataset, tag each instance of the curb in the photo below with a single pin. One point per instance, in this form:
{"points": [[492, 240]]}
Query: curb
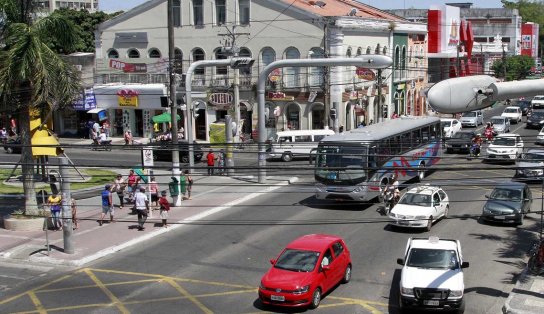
{"points": [[507, 308], [178, 224]]}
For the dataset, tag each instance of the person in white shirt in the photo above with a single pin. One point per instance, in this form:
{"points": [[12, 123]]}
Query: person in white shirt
{"points": [[102, 138], [141, 203]]}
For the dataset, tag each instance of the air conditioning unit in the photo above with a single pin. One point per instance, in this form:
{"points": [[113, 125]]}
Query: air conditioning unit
{"points": [[79, 67]]}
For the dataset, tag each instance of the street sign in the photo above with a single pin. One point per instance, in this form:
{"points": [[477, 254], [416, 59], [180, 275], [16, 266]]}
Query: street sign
{"points": [[147, 157]]}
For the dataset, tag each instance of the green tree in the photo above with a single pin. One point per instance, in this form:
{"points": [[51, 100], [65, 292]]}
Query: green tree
{"points": [[530, 11], [515, 67], [32, 75], [85, 26]]}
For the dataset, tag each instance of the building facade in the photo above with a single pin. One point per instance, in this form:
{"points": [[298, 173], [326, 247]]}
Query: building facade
{"points": [[48, 6]]}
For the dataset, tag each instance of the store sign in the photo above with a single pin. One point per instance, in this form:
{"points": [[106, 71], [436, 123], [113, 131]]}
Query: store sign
{"points": [[365, 74], [86, 101], [279, 96], [353, 95], [128, 67], [221, 99], [127, 98], [275, 75]]}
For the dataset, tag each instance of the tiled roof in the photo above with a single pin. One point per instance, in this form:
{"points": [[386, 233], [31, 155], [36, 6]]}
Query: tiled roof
{"points": [[342, 8]]}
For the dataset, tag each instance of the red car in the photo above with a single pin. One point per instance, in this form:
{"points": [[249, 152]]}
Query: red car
{"points": [[308, 267]]}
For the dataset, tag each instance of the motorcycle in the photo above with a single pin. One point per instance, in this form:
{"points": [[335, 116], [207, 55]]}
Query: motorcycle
{"points": [[488, 133], [389, 199], [475, 150], [102, 145]]}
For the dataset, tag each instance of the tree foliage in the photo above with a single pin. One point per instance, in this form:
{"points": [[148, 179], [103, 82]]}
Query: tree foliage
{"points": [[515, 67], [530, 11], [85, 26]]}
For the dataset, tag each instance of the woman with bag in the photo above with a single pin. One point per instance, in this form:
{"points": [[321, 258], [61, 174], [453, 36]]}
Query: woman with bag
{"points": [[189, 183], [119, 186]]}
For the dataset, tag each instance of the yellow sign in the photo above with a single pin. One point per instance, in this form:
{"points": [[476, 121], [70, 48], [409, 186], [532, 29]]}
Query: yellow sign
{"points": [[127, 101], [217, 133]]}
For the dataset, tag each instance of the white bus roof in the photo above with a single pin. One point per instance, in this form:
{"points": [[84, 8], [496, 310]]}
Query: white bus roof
{"points": [[381, 130]]}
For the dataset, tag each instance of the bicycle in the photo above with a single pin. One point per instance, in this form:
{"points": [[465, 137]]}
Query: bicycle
{"points": [[535, 264], [245, 141]]}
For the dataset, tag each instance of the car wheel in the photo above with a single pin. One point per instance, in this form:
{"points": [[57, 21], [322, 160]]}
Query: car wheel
{"points": [[316, 298], [184, 159], [9, 150], [429, 224], [287, 157], [519, 222], [446, 212], [421, 172], [347, 274]]}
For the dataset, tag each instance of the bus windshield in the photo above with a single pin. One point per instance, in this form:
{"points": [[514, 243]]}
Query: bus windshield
{"points": [[342, 163]]}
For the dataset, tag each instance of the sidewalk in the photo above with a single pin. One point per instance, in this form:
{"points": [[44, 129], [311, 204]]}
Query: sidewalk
{"points": [[527, 296], [92, 241]]}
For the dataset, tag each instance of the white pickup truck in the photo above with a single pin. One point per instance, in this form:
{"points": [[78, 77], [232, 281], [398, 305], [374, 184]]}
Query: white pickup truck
{"points": [[432, 275]]}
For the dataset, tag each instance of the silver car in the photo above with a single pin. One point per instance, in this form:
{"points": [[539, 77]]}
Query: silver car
{"points": [[472, 118], [500, 124]]}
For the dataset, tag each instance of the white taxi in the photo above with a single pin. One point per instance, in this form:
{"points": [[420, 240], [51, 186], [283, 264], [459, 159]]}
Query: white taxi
{"points": [[513, 113], [505, 147], [420, 207]]}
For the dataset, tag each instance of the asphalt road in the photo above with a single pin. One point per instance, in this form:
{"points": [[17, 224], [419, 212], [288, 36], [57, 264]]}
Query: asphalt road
{"points": [[215, 267]]}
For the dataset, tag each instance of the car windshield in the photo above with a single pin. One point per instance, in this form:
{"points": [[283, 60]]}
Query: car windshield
{"points": [[465, 136], [297, 260], [538, 98], [416, 199], [433, 258], [505, 194], [532, 157], [510, 110], [497, 121], [469, 114], [446, 124], [538, 115], [505, 141]]}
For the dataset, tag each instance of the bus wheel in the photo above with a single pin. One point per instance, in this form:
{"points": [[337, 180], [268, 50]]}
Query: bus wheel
{"points": [[421, 172]]}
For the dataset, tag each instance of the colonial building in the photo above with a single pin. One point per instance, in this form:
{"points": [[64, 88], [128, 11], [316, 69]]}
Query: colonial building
{"points": [[48, 6], [132, 51]]}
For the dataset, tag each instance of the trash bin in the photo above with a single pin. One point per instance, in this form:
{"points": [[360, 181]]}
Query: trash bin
{"points": [[174, 187]]}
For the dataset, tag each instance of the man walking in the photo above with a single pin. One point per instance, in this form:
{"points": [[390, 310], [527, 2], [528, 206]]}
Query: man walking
{"points": [[142, 207], [107, 204], [211, 161]]}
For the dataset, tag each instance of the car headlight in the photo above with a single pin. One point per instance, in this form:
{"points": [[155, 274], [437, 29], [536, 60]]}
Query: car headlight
{"points": [[261, 286], [456, 293], [358, 189], [407, 291], [485, 210], [302, 290]]}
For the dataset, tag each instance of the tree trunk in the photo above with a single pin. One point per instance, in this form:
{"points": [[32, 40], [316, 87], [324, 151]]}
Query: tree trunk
{"points": [[27, 164]]}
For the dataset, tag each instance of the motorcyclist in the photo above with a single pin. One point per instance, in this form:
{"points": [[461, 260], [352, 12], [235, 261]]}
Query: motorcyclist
{"points": [[476, 145], [488, 132], [391, 191]]}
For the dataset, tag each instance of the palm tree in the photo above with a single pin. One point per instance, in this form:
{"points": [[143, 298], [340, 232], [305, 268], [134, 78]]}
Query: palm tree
{"points": [[33, 76]]}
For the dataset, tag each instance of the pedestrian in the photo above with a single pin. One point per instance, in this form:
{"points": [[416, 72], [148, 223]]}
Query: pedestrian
{"points": [[3, 135], [119, 186], [183, 185], [341, 129], [165, 208], [154, 190], [141, 203], [128, 137], [54, 202], [107, 205], [132, 182], [221, 162], [75, 223], [189, 184], [211, 162], [96, 128]]}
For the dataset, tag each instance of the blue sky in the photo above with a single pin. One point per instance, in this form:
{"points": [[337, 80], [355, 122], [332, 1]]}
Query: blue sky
{"points": [[125, 5]]}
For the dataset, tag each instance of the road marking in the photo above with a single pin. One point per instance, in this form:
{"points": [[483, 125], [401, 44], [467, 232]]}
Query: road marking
{"points": [[37, 303], [104, 289], [188, 295]]}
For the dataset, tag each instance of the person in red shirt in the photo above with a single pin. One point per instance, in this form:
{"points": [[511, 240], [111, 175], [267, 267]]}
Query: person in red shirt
{"points": [[165, 208], [132, 182], [211, 162]]}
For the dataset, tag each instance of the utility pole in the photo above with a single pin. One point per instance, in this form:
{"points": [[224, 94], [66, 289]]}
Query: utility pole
{"points": [[380, 107], [233, 51], [173, 102], [503, 62], [67, 222]]}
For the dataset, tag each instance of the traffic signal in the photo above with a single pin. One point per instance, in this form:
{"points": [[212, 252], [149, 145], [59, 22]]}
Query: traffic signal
{"points": [[333, 113], [164, 102], [385, 113], [241, 63]]}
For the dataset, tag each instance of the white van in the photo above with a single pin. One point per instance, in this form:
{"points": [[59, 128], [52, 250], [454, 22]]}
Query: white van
{"points": [[298, 143]]}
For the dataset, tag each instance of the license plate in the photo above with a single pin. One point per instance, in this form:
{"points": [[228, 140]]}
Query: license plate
{"points": [[431, 302], [277, 298], [499, 217]]}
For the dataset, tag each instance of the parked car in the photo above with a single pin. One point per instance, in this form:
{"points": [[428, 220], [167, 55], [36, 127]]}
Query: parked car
{"points": [[535, 119], [450, 127], [513, 113], [162, 150], [508, 202], [537, 102], [460, 142], [432, 275], [540, 137], [524, 105], [419, 207], [500, 124], [530, 166], [472, 118], [13, 145], [306, 269], [507, 147]]}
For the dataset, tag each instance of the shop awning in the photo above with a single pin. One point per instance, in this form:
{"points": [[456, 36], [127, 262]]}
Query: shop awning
{"points": [[95, 110], [163, 118]]}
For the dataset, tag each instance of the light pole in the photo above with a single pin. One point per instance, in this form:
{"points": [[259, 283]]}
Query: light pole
{"points": [[372, 61]]}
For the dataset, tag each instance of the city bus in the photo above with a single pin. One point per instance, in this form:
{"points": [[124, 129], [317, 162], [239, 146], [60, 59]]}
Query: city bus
{"points": [[355, 165]]}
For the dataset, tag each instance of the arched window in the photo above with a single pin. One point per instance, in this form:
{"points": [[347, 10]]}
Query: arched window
{"points": [[178, 61], [359, 51], [385, 50], [396, 62], [154, 53], [246, 53], [403, 62], [268, 55], [378, 49], [348, 52], [315, 79], [176, 10], [291, 75], [198, 55], [221, 69], [133, 53], [368, 50], [113, 54]]}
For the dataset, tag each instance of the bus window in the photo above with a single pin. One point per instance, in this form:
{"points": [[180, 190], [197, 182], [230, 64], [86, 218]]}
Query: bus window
{"points": [[435, 131], [416, 138], [425, 134], [383, 151], [303, 138], [395, 145], [405, 141]]}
